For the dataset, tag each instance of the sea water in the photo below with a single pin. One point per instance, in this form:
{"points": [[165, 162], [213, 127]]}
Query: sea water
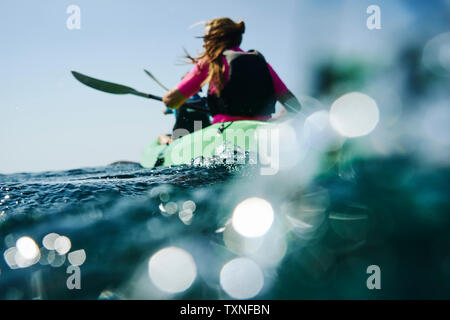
{"points": [[174, 233]]}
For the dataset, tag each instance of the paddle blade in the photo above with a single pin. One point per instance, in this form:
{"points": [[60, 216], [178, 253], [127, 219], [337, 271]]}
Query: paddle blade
{"points": [[103, 85]]}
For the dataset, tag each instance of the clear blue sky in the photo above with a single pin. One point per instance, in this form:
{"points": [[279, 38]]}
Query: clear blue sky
{"points": [[49, 121]]}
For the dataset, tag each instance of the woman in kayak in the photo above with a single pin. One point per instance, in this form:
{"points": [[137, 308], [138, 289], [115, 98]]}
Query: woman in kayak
{"points": [[242, 85]]}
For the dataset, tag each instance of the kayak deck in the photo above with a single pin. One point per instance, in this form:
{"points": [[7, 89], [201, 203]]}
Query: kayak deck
{"points": [[205, 143]]}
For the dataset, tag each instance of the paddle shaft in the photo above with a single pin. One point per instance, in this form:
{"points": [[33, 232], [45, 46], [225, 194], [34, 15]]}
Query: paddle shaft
{"points": [[197, 105], [156, 80], [168, 110]]}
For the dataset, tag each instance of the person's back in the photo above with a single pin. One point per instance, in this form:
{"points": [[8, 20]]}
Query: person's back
{"points": [[242, 86], [249, 89]]}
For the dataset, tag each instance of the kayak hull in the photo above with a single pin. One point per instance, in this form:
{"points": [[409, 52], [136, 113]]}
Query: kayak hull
{"points": [[205, 143]]}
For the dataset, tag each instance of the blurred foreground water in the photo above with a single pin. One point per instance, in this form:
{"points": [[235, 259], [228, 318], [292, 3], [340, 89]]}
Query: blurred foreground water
{"points": [[308, 232]]}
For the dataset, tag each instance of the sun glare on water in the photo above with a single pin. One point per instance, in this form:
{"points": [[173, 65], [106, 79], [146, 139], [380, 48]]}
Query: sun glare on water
{"points": [[253, 217]]}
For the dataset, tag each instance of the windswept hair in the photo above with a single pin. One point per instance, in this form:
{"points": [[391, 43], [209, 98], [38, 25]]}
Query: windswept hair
{"points": [[220, 34]]}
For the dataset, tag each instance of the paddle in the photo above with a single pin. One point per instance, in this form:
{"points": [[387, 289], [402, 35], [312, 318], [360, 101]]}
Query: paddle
{"points": [[156, 80], [115, 88], [110, 87], [168, 110]]}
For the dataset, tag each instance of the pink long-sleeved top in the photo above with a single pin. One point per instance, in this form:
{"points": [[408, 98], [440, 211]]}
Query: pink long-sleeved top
{"points": [[191, 84]]}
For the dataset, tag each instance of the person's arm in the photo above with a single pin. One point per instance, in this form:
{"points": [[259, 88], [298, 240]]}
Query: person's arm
{"points": [[174, 99], [290, 102], [190, 85], [290, 106], [284, 96]]}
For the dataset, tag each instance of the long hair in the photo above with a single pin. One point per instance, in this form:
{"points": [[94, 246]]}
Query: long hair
{"points": [[220, 34]]}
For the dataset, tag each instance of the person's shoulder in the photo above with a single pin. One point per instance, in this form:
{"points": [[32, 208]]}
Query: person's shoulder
{"points": [[254, 51], [238, 49]]}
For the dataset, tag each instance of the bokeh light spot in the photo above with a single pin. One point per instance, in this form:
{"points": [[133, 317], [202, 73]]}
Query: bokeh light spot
{"points": [[354, 115], [171, 207], [57, 260], [77, 258], [252, 217], [62, 245], [241, 278], [186, 216], [27, 248], [49, 241], [172, 269], [10, 257], [189, 205], [436, 54]]}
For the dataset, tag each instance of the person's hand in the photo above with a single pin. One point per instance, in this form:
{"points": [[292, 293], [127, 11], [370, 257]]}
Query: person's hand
{"points": [[164, 139], [281, 115]]}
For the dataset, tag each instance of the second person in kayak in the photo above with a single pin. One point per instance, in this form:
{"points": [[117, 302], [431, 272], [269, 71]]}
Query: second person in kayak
{"points": [[242, 85]]}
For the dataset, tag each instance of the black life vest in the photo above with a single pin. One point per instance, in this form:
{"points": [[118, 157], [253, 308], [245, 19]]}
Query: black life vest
{"points": [[249, 90]]}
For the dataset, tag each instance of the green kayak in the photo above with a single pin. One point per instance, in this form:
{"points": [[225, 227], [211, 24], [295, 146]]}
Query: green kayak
{"points": [[206, 143]]}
